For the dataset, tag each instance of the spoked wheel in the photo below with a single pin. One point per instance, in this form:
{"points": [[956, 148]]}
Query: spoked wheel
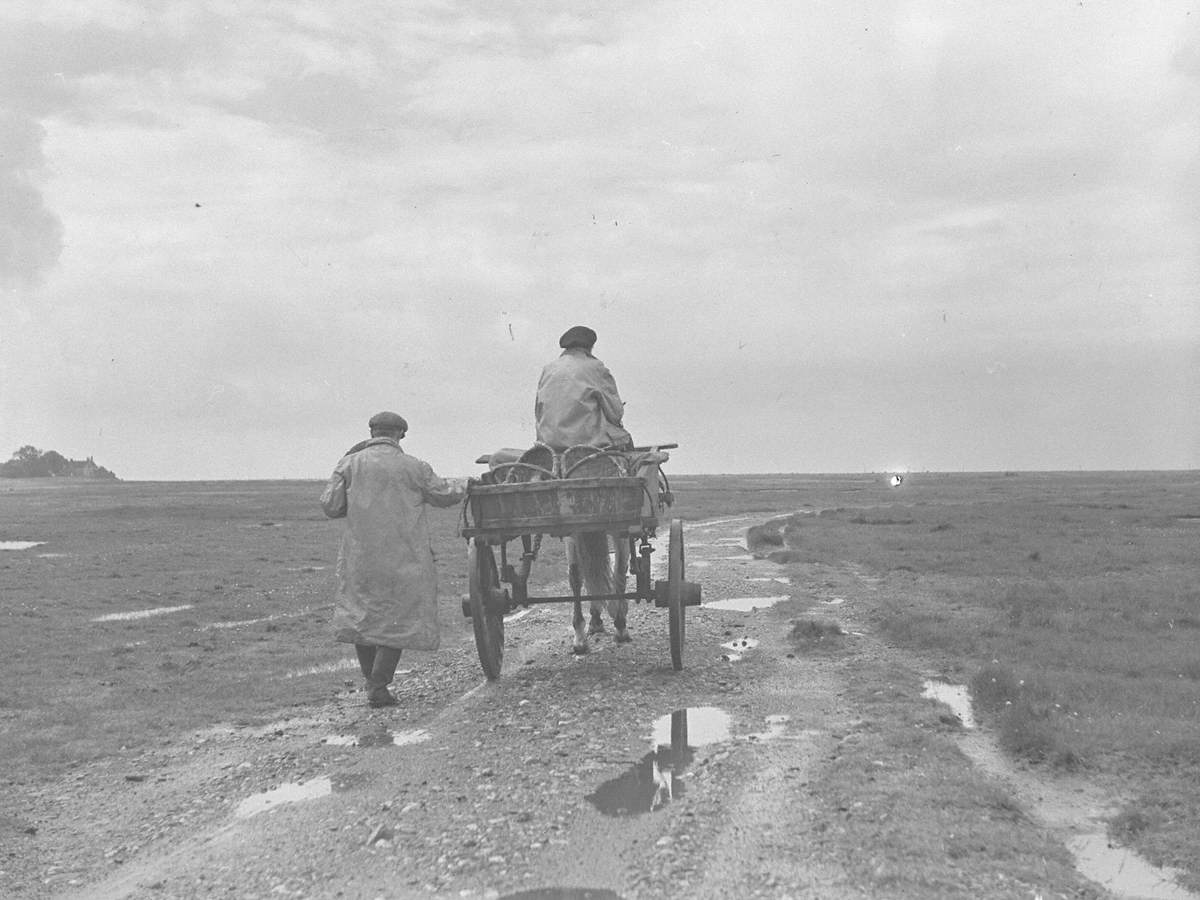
{"points": [[675, 594], [487, 607]]}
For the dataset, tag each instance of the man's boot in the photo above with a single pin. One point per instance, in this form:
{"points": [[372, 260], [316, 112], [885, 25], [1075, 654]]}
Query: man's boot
{"points": [[382, 673], [366, 658]]}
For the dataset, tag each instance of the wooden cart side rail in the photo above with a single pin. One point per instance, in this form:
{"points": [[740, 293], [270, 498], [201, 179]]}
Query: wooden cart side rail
{"points": [[557, 507], [485, 458], [633, 527]]}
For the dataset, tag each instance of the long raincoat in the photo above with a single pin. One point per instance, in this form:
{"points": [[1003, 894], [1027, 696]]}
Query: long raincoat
{"points": [[577, 403], [386, 578]]}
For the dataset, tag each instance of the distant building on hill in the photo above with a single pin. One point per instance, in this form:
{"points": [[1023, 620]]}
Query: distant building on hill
{"points": [[30, 462]]}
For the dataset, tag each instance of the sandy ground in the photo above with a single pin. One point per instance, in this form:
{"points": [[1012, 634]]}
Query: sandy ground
{"points": [[559, 779]]}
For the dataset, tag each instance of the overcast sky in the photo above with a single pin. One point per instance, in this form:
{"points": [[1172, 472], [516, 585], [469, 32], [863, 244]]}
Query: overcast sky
{"points": [[813, 237]]}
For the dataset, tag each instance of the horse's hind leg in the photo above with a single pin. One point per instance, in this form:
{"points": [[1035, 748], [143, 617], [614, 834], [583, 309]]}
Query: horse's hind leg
{"points": [[581, 642], [595, 623], [574, 576], [619, 609]]}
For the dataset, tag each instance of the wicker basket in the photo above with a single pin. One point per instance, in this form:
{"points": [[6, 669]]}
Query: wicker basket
{"points": [[588, 504]]}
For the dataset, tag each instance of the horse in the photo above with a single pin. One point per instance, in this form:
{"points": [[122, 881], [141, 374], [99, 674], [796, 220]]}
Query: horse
{"points": [[599, 562], [596, 560]]}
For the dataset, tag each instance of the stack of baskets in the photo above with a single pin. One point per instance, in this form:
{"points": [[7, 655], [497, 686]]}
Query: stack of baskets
{"points": [[559, 492]]}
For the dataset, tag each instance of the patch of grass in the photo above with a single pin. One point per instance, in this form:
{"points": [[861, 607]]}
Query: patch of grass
{"points": [[763, 539], [1086, 586], [811, 631], [1158, 822], [913, 817], [785, 557], [1025, 715]]}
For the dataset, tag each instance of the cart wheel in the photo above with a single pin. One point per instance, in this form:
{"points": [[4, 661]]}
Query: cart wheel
{"points": [[486, 600], [675, 602]]}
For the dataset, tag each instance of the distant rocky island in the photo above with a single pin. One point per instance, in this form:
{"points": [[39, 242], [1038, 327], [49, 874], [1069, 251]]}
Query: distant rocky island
{"points": [[30, 462]]}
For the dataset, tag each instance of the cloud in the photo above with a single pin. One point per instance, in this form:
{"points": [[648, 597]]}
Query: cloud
{"points": [[31, 236], [297, 210]]}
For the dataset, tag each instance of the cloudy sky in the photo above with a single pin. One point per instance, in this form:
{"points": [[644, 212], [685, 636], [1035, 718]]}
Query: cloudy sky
{"points": [[813, 237]]}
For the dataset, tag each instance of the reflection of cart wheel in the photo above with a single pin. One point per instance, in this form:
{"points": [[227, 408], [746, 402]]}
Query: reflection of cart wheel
{"points": [[675, 592], [486, 602]]}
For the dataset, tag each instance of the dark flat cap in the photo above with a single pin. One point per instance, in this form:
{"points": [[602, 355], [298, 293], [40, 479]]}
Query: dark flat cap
{"points": [[578, 336], [388, 421]]}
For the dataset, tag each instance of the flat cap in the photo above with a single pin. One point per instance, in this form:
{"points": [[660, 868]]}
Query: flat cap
{"points": [[578, 336], [388, 421]]}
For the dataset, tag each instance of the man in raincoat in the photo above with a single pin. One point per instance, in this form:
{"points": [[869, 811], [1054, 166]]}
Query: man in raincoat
{"points": [[577, 400], [386, 597]]}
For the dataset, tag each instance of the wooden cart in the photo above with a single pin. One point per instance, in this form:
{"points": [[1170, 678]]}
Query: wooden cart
{"points": [[560, 495]]}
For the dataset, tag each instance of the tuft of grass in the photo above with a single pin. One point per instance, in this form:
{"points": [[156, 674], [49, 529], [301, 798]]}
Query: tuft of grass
{"points": [[994, 688], [1129, 824], [815, 630], [762, 539], [783, 557], [1027, 732], [1027, 716]]}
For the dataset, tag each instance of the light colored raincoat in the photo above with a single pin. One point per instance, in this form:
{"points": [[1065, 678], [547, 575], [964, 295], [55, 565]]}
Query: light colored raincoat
{"points": [[386, 579], [577, 403]]}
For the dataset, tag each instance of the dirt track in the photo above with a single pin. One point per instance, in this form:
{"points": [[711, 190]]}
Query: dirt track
{"points": [[543, 779]]}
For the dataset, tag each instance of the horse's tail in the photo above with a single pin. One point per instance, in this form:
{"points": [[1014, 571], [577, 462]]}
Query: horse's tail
{"points": [[595, 565]]}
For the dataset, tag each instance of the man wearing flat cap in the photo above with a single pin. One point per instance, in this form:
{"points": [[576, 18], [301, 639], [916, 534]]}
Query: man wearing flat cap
{"points": [[577, 399], [386, 598]]}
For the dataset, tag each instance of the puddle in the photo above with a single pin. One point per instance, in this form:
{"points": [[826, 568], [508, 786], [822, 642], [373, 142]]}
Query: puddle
{"points": [[740, 644], [1123, 872], [377, 739], [519, 614], [696, 726], [774, 578], [1071, 809], [658, 778], [217, 626], [740, 557], [141, 613], [699, 564], [562, 893], [238, 623], [745, 604], [271, 729], [708, 524], [326, 669], [285, 793], [834, 601], [955, 696], [19, 545], [52, 555]]}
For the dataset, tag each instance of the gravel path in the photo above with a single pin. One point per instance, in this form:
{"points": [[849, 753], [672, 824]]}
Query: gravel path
{"points": [[563, 774]]}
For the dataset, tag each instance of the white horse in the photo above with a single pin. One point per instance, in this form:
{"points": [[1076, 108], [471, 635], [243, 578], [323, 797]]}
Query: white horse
{"points": [[598, 562]]}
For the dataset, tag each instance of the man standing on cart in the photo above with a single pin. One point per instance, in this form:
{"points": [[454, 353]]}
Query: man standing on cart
{"points": [[577, 399], [386, 597]]}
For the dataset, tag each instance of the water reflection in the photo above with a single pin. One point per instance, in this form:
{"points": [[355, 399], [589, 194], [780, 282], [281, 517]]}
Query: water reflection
{"points": [[1123, 872], [658, 778], [378, 738], [955, 696], [285, 793], [561, 893], [745, 604], [141, 613]]}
